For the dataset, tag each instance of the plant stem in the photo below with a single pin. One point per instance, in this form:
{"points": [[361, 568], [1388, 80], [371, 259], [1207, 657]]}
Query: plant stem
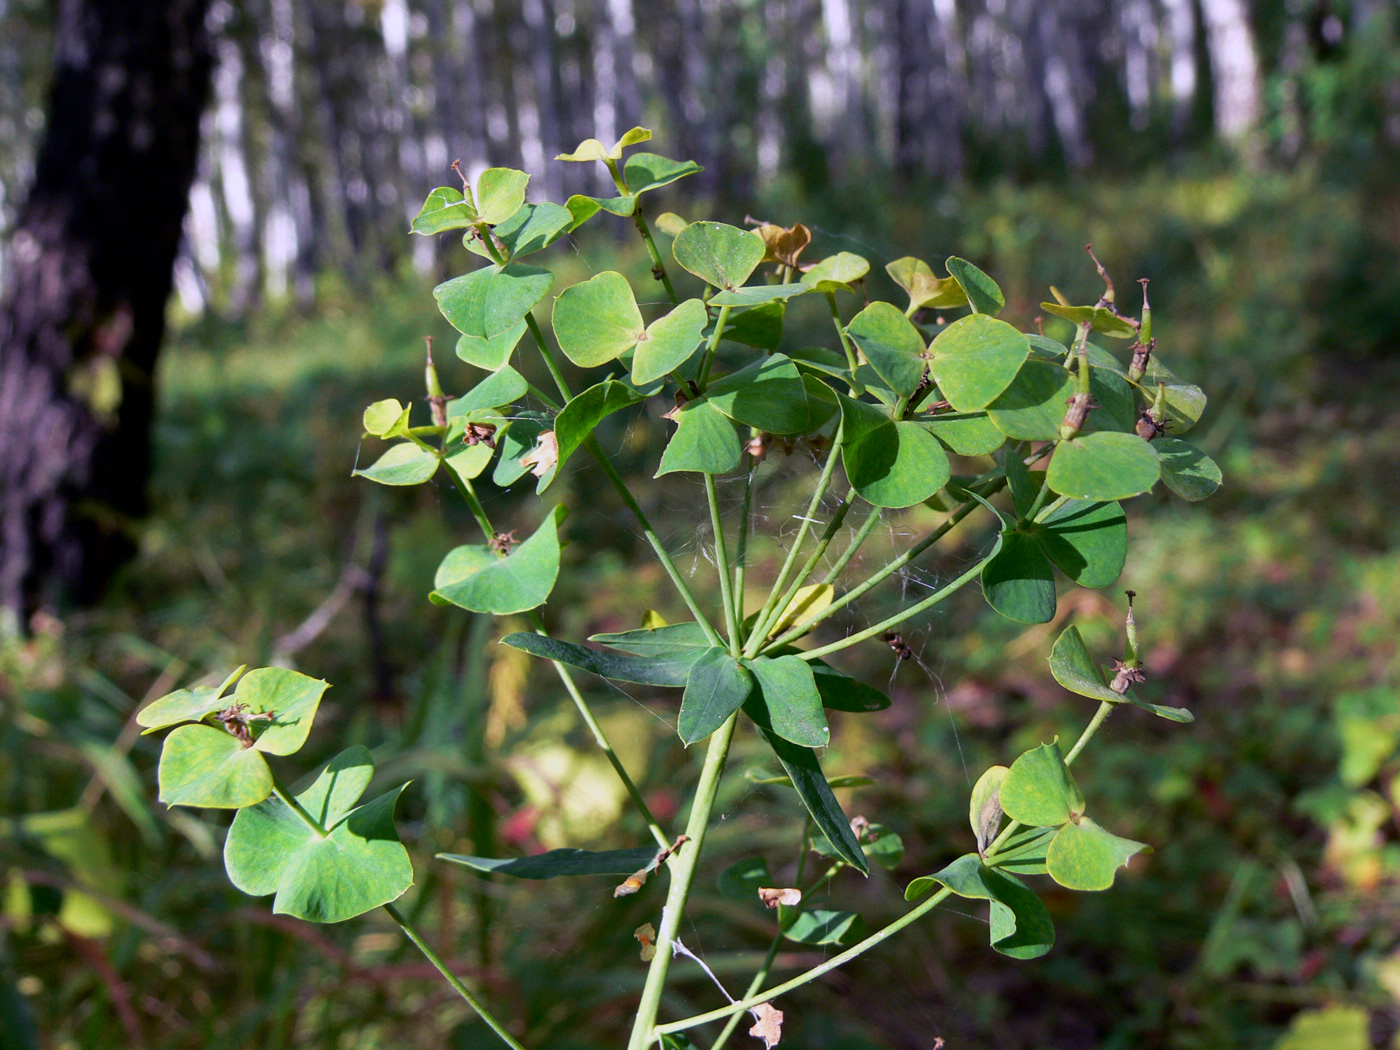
{"points": [[713, 347], [657, 266], [452, 979], [828, 534], [771, 608], [856, 950], [726, 584], [898, 618], [866, 527], [1055, 505], [856, 387], [566, 677], [596, 451], [888, 570], [289, 800], [741, 555], [549, 361], [682, 868]]}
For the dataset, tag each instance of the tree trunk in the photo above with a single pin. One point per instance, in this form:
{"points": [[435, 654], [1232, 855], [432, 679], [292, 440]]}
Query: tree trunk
{"points": [[84, 307]]}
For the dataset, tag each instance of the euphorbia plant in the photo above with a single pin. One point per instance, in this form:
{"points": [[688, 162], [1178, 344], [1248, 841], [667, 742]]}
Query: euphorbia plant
{"points": [[1058, 435]]}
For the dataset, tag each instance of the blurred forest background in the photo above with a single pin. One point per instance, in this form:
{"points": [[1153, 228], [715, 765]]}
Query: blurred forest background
{"points": [[1241, 154]]}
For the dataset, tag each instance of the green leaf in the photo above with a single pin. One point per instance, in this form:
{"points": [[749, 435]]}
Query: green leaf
{"points": [[403, 464], [258, 845], [836, 272], [496, 391], [597, 320], [984, 807], [883, 846], [1020, 923], [889, 463], [468, 463], [1084, 856], [891, 344], [812, 788], [477, 579], [1033, 406], [967, 434], [1038, 789], [445, 209], [357, 867], [500, 192], [1185, 402], [291, 697], [184, 705], [757, 294], [720, 255], [676, 639], [704, 441], [651, 670], [768, 394], [982, 292], [1103, 467], [490, 354], [1023, 853], [841, 692], [1115, 404], [1328, 1028], [975, 359], [740, 881], [717, 687], [383, 416], [523, 435], [1088, 542], [1018, 582], [1186, 470], [204, 766], [1023, 484], [533, 228], [760, 326], [578, 419], [787, 691], [645, 172], [1073, 667], [668, 342], [491, 301], [559, 862], [1099, 318], [925, 290], [819, 926]]}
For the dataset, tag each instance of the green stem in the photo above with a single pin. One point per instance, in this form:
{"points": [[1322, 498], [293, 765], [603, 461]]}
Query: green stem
{"points": [[767, 965], [726, 584], [856, 387], [1045, 512], [828, 534], [601, 739], [771, 608], [856, 950], [888, 570], [658, 266], [862, 534], [452, 979], [566, 677], [713, 346], [1081, 350], [549, 361], [289, 800], [682, 867], [741, 555], [898, 618], [591, 444]]}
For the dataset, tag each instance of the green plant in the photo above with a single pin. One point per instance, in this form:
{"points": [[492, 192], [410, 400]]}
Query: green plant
{"points": [[906, 394]]}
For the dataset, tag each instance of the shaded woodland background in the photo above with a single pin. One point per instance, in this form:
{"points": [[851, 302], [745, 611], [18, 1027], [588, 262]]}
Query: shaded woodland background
{"points": [[1241, 155]]}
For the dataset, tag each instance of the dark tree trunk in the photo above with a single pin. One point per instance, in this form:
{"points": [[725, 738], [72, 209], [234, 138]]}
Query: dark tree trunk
{"points": [[84, 307]]}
